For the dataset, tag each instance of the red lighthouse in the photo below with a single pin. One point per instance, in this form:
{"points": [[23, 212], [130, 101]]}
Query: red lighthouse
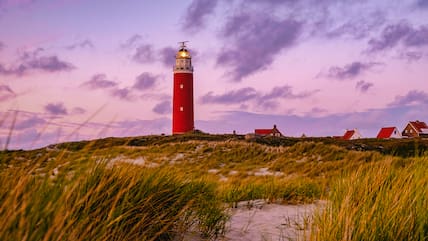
{"points": [[182, 102]]}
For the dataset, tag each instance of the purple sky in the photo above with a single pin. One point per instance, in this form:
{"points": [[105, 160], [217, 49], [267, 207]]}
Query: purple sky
{"points": [[75, 69]]}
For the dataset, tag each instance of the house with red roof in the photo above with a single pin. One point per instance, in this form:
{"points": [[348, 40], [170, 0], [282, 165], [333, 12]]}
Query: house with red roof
{"points": [[415, 129], [388, 132], [352, 135], [268, 132]]}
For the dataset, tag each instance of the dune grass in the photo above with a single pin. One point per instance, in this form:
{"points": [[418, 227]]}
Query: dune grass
{"points": [[271, 189], [239, 170], [161, 187], [122, 202], [383, 201]]}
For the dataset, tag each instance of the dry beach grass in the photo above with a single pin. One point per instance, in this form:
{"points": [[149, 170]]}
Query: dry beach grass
{"points": [[158, 188], [382, 201]]}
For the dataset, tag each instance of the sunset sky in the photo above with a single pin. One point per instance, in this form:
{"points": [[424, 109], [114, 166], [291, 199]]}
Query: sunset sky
{"points": [[76, 69]]}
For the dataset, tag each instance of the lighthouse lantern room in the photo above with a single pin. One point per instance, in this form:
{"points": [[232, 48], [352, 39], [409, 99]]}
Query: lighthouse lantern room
{"points": [[182, 102]]}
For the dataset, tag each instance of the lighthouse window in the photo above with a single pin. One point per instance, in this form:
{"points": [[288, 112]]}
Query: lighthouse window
{"points": [[181, 86], [181, 108]]}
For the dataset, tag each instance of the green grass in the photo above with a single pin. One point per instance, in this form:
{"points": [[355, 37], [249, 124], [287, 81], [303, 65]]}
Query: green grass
{"points": [[123, 202], [383, 201], [91, 190], [271, 189], [236, 163]]}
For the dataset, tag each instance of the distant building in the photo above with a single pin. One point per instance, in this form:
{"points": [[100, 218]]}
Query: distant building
{"points": [[268, 132], [388, 132], [415, 129], [352, 135]]}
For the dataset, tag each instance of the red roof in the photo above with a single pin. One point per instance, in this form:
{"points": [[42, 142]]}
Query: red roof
{"points": [[385, 132], [263, 131], [418, 125], [348, 134]]}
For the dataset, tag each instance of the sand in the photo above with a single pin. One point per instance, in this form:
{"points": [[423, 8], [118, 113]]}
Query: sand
{"points": [[268, 222]]}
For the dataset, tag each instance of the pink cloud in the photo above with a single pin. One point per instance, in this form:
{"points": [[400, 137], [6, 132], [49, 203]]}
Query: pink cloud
{"points": [[402, 33], [99, 81], [56, 109], [413, 97], [123, 94], [164, 107], [253, 41], [363, 86], [145, 81], [268, 100], [351, 70], [32, 61], [82, 44], [196, 14], [132, 41], [144, 54]]}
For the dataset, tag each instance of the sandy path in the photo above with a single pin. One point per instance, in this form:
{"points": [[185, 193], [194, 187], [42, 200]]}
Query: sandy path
{"points": [[271, 222]]}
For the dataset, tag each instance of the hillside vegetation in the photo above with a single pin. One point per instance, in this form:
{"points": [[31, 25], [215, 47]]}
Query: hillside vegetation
{"points": [[158, 187], [377, 202]]}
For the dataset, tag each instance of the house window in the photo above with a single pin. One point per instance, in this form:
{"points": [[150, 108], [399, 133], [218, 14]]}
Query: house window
{"points": [[181, 86], [181, 108]]}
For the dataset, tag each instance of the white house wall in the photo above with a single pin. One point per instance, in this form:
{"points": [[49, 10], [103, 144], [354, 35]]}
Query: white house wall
{"points": [[396, 134]]}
